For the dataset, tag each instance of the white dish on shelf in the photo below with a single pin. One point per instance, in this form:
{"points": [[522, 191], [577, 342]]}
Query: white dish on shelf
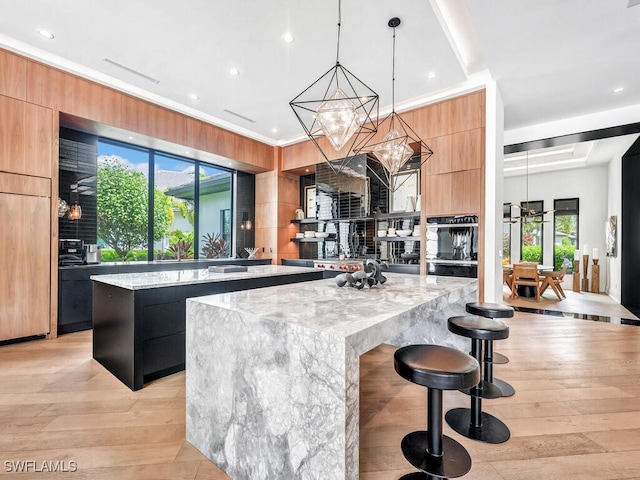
{"points": [[391, 235], [382, 233], [403, 233], [300, 235], [322, 234], [309, 234]]}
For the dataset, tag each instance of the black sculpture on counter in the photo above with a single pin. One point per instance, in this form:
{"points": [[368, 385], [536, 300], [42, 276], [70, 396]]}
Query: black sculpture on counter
{"points": [[371, 275]]}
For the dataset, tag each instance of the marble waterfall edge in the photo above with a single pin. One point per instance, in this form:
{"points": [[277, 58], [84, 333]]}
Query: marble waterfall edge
{"points": [[275, 396], [273, 373]]}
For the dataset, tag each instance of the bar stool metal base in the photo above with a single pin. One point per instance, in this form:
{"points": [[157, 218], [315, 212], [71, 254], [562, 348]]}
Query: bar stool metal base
{"points": [[420, 476], [492, 429], [507, 390], [486, 390], [499, 359], [455, 462]]}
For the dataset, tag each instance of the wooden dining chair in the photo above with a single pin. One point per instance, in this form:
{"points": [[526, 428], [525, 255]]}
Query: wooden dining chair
{"points": [[525, 274], [507, 276], [554, 280]]}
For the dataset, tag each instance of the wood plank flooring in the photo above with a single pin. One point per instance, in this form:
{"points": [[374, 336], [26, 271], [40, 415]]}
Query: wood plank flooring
{"points": [[575, 414]]}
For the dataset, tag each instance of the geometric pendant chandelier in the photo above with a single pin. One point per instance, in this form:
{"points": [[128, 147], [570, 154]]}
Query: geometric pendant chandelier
{"points": [[401, 151], [528, 214], [337, 111]]}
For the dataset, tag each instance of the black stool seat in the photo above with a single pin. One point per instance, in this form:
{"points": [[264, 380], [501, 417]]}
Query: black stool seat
{"points": [[479, 327], [490, 310], [435, 366]]}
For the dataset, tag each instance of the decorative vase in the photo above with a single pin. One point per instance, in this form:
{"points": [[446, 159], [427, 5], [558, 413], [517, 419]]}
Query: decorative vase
{"points": [[411, 204], [252, 252]]}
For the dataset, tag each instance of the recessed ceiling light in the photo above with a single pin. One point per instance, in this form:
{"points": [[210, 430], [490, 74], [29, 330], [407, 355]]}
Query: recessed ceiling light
{"points": [[617, 90], [193, 96], [187, 152], [274, 130], [130, 138], [234, 71], [364, 99], [306, 169], [431, 75], [287, 38], [46, 33]]}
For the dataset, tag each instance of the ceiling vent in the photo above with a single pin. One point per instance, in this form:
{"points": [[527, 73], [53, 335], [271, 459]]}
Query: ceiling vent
{"points": [[239, 116], [130, 70]]}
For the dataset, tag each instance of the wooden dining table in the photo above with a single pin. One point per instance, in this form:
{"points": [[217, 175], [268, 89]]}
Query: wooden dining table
{"points": [[523, 290]]}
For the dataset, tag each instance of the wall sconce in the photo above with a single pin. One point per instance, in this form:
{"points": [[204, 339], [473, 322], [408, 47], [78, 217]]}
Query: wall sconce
{"points": [[75, 212], [246, 223]]}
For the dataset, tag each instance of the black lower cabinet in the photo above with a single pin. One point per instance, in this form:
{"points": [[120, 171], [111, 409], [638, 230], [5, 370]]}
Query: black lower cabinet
{"points": [[139, 335], [75, 293]]}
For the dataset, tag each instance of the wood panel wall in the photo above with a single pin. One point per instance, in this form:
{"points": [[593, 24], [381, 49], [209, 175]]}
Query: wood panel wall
{"points": [[452, 180], [33, 95], [277, 197]]}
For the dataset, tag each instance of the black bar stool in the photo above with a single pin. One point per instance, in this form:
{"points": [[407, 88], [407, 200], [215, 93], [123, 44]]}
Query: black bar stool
{"points": [[493, 310], [473, 422], [438, 368]]}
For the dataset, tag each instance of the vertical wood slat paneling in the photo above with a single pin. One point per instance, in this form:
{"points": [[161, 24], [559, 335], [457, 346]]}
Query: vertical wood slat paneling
{"points": [[13, 75], [149, 119], [68, 93], [448, 117], [204, 136], [26, 135], [24, 185], [26, 287], [455, 193], [54, 234]]}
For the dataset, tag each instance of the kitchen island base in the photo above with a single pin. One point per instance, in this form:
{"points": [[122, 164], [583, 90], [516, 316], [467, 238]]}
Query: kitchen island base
{"points": [[273, 375], [139, 319]]}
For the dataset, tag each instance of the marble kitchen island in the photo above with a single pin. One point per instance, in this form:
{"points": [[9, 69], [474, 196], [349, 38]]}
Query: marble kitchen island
{"points": [[273, 374]]}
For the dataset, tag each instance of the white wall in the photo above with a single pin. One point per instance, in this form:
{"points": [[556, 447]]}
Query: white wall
{"points": [[589, 185], [612, 277], [493, 193]]}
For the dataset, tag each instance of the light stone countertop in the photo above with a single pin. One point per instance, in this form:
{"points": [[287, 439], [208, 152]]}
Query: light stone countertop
{"points": [[147, 280], [346, 312]]}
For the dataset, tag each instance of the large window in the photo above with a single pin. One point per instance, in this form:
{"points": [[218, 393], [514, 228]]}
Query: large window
{"points": [[214, 212], [531, 232], [565, 232], [173, 207], [122, 192], [146, 197]]}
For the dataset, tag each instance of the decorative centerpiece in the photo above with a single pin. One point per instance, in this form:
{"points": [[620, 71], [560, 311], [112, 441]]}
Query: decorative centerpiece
{"points": [[252, 252], [371, 275], [63, 207]]}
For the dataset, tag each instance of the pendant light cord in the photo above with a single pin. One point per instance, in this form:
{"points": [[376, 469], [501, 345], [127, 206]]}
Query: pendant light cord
{"points": [[339, 24], [527, 177], [393, 73]]}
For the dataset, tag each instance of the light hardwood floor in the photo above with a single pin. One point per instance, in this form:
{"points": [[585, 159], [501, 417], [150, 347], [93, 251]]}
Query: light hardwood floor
{"points": [[575, 414]]}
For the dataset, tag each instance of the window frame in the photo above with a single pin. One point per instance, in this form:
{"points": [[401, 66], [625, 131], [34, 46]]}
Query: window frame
{"points": [[566, 212], [151, 154], [528, 205]]}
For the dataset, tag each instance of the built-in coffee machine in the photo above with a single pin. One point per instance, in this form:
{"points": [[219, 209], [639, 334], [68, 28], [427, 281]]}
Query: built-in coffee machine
{"points": [[70, 252]]}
